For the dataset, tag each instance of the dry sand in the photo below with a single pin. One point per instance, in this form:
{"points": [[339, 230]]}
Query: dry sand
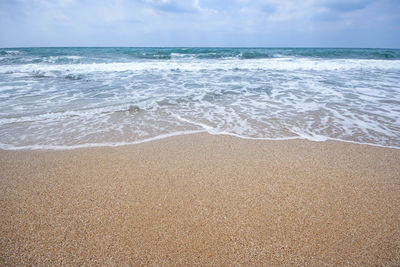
{"points": [[202, 200]]}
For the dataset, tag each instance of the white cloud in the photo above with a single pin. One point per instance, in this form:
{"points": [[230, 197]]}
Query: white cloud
{"points": [[199, 22]]}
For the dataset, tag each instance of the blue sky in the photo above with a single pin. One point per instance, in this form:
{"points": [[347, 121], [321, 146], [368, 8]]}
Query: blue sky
{"points": [[266, 23]]}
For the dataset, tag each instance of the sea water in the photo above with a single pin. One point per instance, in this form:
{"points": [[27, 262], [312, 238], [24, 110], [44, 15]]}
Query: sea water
{"points": [[80, 97]]}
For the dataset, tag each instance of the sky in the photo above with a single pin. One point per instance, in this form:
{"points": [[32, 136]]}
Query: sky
{"points": [[237, 23]]}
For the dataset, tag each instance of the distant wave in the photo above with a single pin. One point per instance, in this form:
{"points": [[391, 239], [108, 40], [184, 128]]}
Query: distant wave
{"points": [[273, 64], [104, 55]]}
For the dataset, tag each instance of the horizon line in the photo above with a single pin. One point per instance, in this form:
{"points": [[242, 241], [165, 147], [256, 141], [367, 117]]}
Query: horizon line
{"points": [[246, 47]]}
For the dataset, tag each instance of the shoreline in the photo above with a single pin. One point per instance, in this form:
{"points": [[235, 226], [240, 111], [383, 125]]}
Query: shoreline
{"points": [[177, 134], [202, 199]]}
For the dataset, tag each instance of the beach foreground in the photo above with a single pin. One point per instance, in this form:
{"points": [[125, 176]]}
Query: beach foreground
{"points": [[202, 199]]}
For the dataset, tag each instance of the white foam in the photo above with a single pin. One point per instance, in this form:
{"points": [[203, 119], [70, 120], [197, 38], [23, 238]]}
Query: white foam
{"points": [[91, 145], [280, 64], [13, 52], [179, 133], [262, 99]]}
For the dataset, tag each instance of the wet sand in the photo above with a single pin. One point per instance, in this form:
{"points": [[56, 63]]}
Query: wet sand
{"points": [[202, 200]]}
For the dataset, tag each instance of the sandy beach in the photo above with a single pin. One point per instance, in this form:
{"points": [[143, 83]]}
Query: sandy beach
{"points": [[202, 200]]}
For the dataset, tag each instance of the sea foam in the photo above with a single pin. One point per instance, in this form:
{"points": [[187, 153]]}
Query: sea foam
{"points": [[77, 97]]}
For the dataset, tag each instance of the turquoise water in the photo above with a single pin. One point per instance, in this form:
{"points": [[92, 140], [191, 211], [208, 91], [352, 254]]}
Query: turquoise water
{"points": [[126, 54], [78, 97]]}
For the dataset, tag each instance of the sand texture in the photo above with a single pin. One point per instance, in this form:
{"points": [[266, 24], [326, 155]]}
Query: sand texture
{"points": [[202, 200]]}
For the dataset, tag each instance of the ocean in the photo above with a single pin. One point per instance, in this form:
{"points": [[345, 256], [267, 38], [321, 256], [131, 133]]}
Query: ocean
{"points": [[60, 98]]}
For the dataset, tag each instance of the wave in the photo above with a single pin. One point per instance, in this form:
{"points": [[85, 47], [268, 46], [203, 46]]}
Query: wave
{"points": [[257, 53], [276, 64], [107, 55]]}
